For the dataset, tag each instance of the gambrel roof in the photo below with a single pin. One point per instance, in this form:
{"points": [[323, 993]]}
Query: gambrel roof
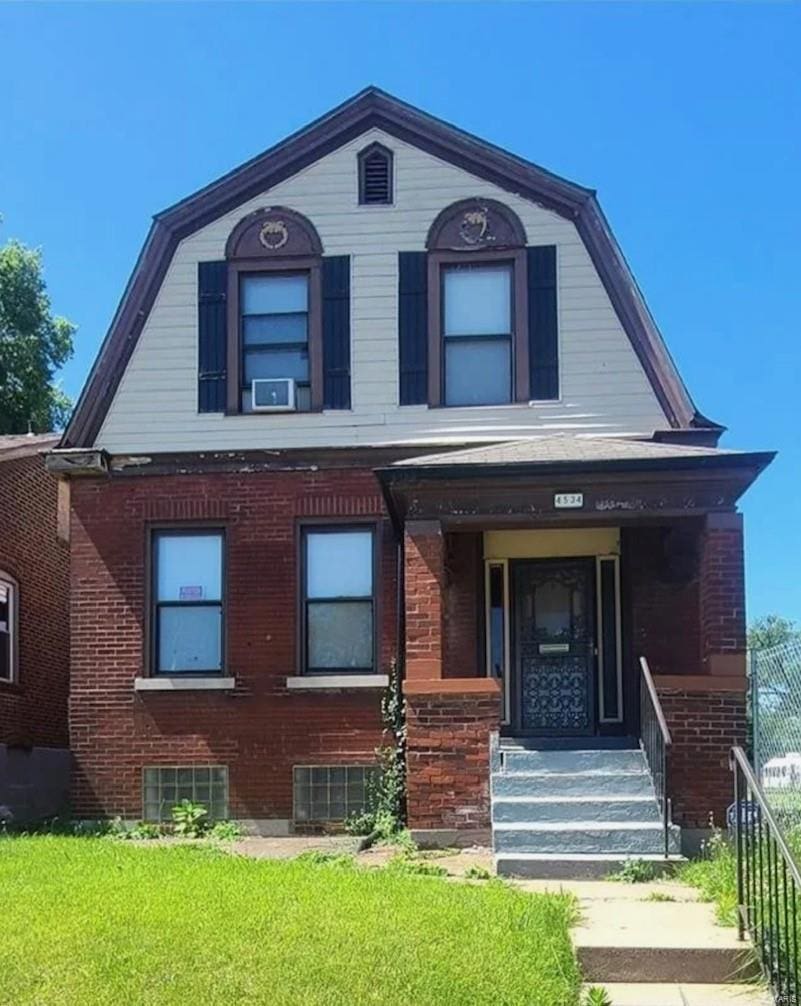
{"points": [[369, 109]]}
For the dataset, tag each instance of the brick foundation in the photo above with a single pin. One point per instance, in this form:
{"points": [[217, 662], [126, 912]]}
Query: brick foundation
{"points": [[448, 736], [704, 725]]}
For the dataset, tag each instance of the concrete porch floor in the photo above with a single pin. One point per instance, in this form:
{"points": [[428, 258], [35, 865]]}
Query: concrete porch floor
{"points": [[651, 944]]}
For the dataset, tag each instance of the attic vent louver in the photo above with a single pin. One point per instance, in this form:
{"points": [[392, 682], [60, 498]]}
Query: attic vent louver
{"points": [[375, 175]]}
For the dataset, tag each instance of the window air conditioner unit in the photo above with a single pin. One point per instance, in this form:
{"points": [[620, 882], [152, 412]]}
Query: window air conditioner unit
{"points": [[274, 394]]}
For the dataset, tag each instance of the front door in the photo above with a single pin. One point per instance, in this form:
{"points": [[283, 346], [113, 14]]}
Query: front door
{"points": [[553, 647]]}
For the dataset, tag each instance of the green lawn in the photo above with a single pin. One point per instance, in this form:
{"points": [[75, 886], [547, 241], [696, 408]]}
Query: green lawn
{"points": [[99, 921]]}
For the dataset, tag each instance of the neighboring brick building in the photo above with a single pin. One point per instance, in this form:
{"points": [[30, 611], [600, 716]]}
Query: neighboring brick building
{"points": [[34, 631], [390, 394]]}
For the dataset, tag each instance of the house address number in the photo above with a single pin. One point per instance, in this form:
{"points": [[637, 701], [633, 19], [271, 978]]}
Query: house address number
{"points": [[568, 501]]}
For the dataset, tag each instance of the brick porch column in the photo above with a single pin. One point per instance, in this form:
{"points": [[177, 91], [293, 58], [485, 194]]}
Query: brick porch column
{"points": [[723, 595], [449, 720], [706, 712], [424, 582]]}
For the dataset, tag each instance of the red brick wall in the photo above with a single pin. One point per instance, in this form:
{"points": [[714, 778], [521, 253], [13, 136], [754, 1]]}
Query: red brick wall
{"points": [[463, 563], [424, 585], [448, 736], [661, 599], [260, 730], [33, 712], [704, 725], [723, 626]]}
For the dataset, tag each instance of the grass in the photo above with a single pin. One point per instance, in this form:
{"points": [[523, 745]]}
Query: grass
{"points": [[101, 921], [715, 876]]}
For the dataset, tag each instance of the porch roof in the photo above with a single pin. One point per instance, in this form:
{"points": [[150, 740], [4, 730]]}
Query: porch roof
{"points": [[580, 452], [518, 480]]}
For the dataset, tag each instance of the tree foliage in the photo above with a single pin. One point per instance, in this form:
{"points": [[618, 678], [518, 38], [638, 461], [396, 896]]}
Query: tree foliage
{"points": [[771, 630], [34, 344]]}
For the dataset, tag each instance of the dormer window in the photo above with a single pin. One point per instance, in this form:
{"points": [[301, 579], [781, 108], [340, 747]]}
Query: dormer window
{"points": [[375, 176], [478, 320], [274, 305], [275, 333]]}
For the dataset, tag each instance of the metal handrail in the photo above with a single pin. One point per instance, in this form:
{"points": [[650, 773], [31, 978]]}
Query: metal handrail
{"points": [[660, 716], [768, 883], [655, 740]]}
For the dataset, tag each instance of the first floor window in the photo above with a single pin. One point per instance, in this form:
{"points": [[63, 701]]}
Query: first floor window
{"points": [[338, 599], [8, 627], [188, 609], [275, 332], [477, 329]]}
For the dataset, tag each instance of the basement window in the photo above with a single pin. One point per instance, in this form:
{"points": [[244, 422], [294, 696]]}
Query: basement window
{"points": [[326, 794], [375, 176], [165, 786], [9, 593]]}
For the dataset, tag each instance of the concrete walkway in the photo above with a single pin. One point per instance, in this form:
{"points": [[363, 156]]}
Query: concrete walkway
{"points": [[657, 945]]}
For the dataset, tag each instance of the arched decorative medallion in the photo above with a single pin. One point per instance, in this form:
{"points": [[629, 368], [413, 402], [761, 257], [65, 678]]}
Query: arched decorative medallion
{"points": [[273, 231], [476, 225]]}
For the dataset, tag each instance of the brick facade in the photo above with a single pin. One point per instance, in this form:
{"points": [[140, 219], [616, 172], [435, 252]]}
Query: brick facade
{"points": [[448, 737], [722, 575], [259, 730], [704, 725], [33, 711], [681, 602]]}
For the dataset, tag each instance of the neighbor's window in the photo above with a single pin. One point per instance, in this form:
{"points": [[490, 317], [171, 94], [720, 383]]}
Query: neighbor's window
{"points": [[8, 627], [275, 332], [338, 601], [477, 332], [187, 602]]}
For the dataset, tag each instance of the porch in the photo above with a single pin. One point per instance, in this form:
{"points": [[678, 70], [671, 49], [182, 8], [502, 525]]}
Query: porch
{"points": [[535, 578]]}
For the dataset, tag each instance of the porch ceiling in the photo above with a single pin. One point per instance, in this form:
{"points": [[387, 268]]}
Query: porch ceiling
{"points": [[618, 480]]}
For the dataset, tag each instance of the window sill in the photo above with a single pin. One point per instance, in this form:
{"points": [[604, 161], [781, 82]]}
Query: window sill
{"points": [[322, 681], [183, 684]]}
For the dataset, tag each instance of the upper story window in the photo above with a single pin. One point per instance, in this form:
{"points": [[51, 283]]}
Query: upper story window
{"points": [[477, 334], [9, 622], [274, 304], [275, 336], [187, 608], [478, 345], [339, 599], [375, 175]]}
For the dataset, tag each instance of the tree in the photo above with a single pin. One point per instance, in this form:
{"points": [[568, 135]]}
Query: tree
{"points": [[771, 630], [34, 344]]}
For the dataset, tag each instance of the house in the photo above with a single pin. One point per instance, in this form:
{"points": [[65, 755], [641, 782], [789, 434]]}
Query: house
{"points": [[34, 632], [389, 392]]}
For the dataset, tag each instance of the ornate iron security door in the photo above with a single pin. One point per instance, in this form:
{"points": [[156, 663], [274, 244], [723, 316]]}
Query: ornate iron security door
{"points": [[554, 641]]}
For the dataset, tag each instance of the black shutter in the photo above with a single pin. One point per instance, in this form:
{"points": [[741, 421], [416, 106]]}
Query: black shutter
{"points": [[212, 282], [336, 332], [543, 333], [413, 327]]}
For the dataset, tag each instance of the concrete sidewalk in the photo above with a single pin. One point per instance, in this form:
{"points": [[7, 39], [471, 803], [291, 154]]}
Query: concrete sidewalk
{"points": [[687, 995]]}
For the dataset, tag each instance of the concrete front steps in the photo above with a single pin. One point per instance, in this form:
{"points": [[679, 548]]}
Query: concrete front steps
{"points": [[651, 943], [567, 813]]}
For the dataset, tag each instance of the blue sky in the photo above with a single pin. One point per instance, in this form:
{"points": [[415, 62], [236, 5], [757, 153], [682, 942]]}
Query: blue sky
{"points": [[685, 117]]}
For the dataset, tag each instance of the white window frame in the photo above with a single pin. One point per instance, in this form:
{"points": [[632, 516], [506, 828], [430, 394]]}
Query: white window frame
{"points": [[602, 717], [12, 585], [505, 675]]}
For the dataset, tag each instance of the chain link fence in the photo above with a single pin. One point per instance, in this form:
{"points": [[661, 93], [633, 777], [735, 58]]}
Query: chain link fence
{"points": [[776, 725]]}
